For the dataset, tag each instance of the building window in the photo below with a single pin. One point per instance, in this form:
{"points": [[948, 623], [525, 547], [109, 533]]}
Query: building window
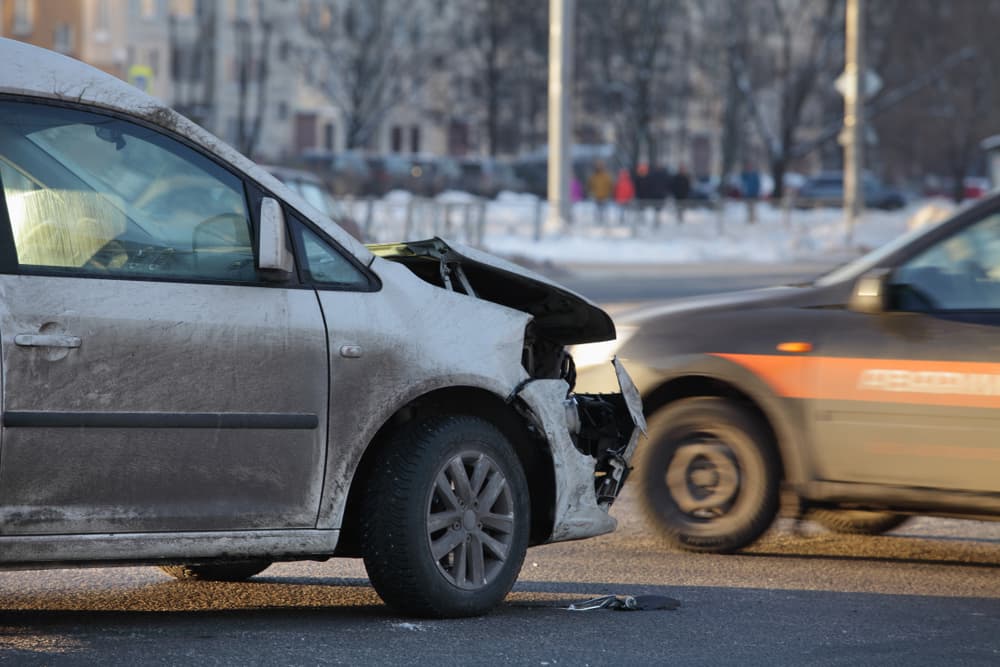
{"points": [[282, 110], [62, 38], [415, 139], [397, 139], [183, 8], [24, 17], [102, 25]]}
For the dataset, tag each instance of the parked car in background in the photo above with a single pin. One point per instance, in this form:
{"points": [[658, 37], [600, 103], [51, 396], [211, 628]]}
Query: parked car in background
{"points": [[488, 177], [311, 188], [703, 193], [973, 187], [202, 373], [507, 178], [479, 177], [534, 174], [345, 173], [433, 174], [827, 190], [390, 172]]}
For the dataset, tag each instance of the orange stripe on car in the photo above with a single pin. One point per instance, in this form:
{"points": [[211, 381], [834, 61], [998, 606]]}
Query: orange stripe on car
{"points": [[949, 383]]}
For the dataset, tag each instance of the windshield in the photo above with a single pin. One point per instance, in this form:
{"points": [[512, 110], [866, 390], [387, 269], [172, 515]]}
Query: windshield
{"points": [[856, 267]]}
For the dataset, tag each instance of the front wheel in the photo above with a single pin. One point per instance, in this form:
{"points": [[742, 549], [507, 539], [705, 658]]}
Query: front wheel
{"points": [[445, 518], [857, 522], [709, 475]]}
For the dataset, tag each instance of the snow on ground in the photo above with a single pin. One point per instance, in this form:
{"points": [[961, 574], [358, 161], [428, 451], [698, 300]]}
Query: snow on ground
{"points": [[515, 225]]}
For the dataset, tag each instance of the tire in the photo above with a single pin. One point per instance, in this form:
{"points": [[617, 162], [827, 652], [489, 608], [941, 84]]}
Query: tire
{"points": [[857, 522], [709, 475], [232, 571], [422, 561]]}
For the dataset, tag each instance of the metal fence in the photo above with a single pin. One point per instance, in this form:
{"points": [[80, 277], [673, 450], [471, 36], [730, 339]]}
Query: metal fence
{"points": [[471, 220]]}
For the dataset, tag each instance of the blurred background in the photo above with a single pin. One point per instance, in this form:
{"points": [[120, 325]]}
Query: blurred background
{"points": [[430, 116]]}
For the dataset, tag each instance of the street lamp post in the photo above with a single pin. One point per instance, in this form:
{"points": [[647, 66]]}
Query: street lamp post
{"points": [[560, 80], [853, 133]]}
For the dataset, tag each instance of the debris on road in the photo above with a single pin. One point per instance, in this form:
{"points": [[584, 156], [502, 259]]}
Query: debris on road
{"points": [[627, 603]]}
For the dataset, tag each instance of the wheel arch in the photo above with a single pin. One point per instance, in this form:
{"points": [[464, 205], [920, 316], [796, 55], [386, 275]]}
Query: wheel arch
{"points": [[750, 392], [532, 451]]}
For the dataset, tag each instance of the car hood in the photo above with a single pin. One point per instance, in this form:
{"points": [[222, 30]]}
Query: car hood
{"points": [[785, 295], [560, 314]]}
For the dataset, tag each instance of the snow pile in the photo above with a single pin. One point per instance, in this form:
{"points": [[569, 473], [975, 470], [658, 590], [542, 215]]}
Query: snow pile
{"points": [[456, 197], [518, 225]]}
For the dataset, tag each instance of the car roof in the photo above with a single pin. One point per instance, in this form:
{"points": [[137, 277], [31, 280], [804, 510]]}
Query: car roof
{"points": [[32, 71], [290, 174]]}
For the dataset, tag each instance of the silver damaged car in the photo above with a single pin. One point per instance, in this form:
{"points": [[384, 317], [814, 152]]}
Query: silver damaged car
{"points": [[202, 372]]}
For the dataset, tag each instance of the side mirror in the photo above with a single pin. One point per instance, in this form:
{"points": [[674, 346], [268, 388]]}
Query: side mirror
{"points": [[871, 292], [274, 252]]}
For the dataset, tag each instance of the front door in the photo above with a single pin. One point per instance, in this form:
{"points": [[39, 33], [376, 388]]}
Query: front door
{"points": [[152, 380], [911, 397]]}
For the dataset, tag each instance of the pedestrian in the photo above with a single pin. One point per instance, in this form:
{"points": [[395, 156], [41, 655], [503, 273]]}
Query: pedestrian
{"points": [[575, 189], [600, 187], [750, 189], [624, 188], [641, 180], [657, 189], [624, 195], [680, 188]]}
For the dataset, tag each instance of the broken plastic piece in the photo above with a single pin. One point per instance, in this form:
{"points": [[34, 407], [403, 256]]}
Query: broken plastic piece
{"points": [[605, 601], [627, 603]]}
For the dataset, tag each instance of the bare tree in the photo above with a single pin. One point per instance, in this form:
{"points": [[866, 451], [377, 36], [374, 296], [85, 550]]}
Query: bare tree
{"points": [[253, 33], [366, 56], [499, 64], [792, 48], [628, 67], [939, 130], [722, 45], [192, 61], [195, 49]]}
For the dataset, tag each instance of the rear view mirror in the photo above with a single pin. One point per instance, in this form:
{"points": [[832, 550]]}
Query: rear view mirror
{"points": [[871, 292], [274, 253]]}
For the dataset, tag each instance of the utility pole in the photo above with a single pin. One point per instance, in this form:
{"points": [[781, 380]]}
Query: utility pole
{"points": [[854, 121], [560, 80]]}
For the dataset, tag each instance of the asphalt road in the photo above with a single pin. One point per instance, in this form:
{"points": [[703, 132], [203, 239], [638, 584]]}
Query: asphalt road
{"points": [[927, 594]]}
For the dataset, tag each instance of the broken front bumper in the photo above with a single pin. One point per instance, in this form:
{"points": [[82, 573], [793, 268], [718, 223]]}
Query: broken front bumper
{"points": [[592, 438]]}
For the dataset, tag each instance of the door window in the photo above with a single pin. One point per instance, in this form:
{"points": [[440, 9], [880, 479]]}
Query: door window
{"points": [[961, 272], [324, 266], [94, 195]]}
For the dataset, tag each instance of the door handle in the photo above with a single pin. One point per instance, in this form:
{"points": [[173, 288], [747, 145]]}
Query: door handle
{"points": [[46, 340]]}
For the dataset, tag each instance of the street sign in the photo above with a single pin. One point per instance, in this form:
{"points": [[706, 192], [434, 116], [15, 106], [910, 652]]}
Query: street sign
{"points": [[141, 77], [871, 85]]}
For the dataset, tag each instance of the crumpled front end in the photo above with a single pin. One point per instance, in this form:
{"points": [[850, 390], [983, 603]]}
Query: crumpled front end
{"points": [[592, 438]]}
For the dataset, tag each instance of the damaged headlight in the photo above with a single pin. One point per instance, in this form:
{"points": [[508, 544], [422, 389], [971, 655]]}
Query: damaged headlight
{"points": [[595, 354]]}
